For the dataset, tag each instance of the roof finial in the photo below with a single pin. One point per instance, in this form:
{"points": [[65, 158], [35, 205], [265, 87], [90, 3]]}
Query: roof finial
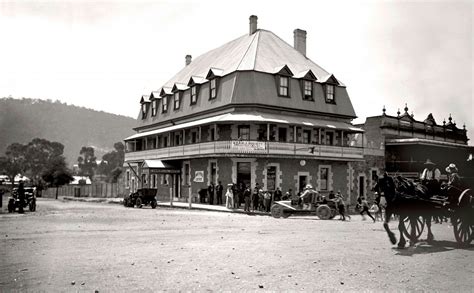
{"points": [[383, 110], [406, 108], [412, 115], [444, 122], [450, 118], [398, 112]]}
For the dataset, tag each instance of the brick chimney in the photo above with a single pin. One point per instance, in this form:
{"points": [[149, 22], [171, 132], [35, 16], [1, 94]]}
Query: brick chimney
{"points": [[253, 24], [189, 58], [300, 40]]}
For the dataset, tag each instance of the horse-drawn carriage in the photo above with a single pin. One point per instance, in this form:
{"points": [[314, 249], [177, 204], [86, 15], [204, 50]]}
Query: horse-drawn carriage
{"points": [[415, 211]]}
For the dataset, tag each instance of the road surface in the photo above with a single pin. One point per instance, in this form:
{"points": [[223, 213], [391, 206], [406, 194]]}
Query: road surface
{"points": [[76, 246]]}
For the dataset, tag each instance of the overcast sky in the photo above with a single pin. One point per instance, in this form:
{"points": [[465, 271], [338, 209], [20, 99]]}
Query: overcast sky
{"points": [[105, 55]]}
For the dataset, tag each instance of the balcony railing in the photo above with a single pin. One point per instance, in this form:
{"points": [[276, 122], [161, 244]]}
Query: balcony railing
{"points": [[247, 147]]}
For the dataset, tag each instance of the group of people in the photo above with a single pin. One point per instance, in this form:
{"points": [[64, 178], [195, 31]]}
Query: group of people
{"points": [[255, 199]]}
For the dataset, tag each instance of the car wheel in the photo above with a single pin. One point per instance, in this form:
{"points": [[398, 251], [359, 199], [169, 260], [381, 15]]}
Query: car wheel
{"points": [[276, 211], [139, 203], [323, 212], [153, 204]]}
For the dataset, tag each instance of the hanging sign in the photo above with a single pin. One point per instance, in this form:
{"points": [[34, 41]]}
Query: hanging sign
{"points": [[199, 176]]}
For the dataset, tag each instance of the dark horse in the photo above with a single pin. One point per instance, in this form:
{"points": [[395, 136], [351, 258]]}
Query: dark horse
{"points": [[405, 199]]}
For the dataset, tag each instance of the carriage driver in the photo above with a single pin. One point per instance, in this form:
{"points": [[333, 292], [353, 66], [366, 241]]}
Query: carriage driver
{"points": [[308, 196], [430, 177]]}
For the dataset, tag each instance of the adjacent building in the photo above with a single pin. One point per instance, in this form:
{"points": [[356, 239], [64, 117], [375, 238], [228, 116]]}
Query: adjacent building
{"points": [[408, 142], [255, 110]]}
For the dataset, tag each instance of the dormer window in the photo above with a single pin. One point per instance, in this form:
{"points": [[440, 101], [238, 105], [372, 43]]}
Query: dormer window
{"points": [[193, 95], [154, 106], [213, 89], [164, 104], [308, 90], [177, 100], [283, 86], [330, 94], [144, 108]]}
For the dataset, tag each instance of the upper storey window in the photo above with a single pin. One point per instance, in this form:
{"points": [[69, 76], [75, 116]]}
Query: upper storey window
{"points": [[194, 95], [154, 105], [164, 104], [330, 94], [195, 83], [308, 90], [213, 76], [284, 86], [213, 89], [177, 100], [282, 77], [144, 101], [307, 79], [330, 89], [144, 108]]}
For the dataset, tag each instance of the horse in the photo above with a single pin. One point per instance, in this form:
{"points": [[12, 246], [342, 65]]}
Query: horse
{"points": [[403, 198]]}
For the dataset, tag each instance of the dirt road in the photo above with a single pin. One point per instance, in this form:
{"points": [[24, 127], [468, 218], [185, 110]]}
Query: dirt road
{"points": [[73, 246]]}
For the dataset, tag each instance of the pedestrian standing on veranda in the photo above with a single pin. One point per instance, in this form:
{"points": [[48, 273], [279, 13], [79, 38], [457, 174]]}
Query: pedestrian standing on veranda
{"points": [[229, 196], [365, 209], [210, 193], [247, 194], [219, 191], [267, 199], [238, 195], [261, 194]]}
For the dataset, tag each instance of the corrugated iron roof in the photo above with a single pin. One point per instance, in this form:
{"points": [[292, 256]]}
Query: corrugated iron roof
{"points": [[262, 51]]}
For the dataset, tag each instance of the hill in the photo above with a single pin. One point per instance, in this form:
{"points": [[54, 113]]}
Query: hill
{"points": [[74, 127]]}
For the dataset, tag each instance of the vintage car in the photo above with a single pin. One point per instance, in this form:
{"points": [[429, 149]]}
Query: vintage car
{"points": [[143, 196], [324, 209], [14, 201]]}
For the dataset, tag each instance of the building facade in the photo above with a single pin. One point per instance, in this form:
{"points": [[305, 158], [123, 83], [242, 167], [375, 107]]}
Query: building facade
{"points": [[408, 143], [255, 110]]}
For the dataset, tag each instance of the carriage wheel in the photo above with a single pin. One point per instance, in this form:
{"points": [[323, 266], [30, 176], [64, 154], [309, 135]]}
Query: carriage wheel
{"points": [[276, 211], [413, 227], [463, 228]]}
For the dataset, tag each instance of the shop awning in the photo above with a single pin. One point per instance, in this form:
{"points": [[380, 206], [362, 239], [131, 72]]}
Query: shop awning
{"points": [[268, 118], [158, 164]]}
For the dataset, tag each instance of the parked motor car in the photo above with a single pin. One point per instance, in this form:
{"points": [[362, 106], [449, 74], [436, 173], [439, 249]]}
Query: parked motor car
{"points": [[324, 209], [14, 201], [143, 196]]}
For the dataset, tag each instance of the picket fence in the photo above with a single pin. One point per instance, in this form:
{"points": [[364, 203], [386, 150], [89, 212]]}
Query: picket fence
{"points": [[96, 189]]}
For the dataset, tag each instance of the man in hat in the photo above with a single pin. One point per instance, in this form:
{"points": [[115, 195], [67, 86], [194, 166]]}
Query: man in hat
{"points": [[430, 177], [307, 196]]}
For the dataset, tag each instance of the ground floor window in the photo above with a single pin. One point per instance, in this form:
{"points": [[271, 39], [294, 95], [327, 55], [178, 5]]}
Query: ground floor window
{"points": [[324, 172]]}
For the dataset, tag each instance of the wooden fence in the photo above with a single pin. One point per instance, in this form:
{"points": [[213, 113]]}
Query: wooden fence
{"points": [[96, 189]]}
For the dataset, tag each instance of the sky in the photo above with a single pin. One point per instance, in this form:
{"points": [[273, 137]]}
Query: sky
{"points": [[105, 54]]}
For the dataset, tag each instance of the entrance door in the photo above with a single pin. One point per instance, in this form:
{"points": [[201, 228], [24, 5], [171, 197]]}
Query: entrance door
{"points": [[302, 182], [361, 186], [243, 173]]}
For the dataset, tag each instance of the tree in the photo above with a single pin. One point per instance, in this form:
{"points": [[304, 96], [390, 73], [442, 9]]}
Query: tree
{"points": [[57, 174], [87, 162], [112, 162], [39, 154], [14, 161]]}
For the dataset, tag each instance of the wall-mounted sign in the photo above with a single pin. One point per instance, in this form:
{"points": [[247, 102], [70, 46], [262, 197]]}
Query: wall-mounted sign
{"points": [[302, 162], [245, 145], [199, 176]]}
